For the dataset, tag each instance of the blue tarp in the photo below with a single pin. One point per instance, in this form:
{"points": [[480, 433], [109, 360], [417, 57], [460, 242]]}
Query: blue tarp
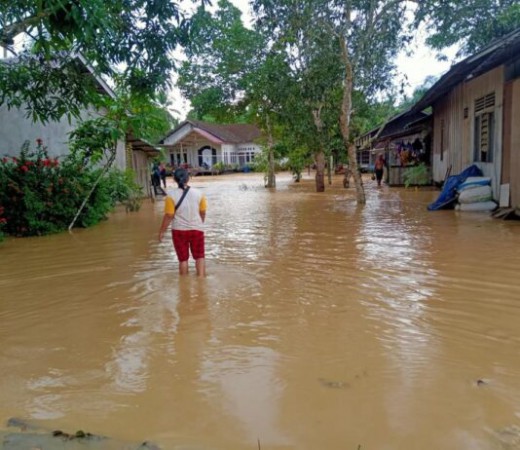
{"points": [[448, 195]]}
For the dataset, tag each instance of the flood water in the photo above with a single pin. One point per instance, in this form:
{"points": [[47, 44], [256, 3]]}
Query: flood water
{"points": [[320, 325]]}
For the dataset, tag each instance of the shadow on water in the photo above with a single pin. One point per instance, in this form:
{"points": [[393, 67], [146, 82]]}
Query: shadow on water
{"points": [[321, 324]]}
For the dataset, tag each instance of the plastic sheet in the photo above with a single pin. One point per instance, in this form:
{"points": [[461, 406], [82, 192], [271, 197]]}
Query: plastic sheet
{"points": [[448, 195]]}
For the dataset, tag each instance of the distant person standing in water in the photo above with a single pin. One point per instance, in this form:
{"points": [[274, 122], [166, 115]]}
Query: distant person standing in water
{"points": [[162, 173], [379, 167], [186, 207]]}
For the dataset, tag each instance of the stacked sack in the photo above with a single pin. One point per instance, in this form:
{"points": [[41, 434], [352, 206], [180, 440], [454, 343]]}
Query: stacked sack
{"points": [[475, 195]]}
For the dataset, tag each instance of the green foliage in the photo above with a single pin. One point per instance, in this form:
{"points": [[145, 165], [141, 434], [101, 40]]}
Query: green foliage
{"points": [[220, 54], [47, 89], [416, 175], [124, 189], [472, 24], [66, 41], [127, 113], [219, 166], [95, 139], [40, 195], [130, 32], [299, 158], [260, 163]]}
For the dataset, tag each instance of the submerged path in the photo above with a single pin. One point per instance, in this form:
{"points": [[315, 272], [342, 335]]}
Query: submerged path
{"points": [[321, 325]]}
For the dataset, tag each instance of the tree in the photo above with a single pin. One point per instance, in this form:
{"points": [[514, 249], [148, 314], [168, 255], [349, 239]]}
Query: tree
{"points": [[230, 75], [355, 39], [472, 24], [132, 38], [220, 53]]}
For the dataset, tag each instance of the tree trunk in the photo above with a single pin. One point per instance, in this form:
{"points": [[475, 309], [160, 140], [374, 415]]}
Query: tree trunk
{"points": [[346, 112], [271, 177], [320, 171], [320, 154], [103, 173]]}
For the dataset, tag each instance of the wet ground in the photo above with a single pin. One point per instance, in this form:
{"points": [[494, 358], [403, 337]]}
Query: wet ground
{"points": [[321, 325]]}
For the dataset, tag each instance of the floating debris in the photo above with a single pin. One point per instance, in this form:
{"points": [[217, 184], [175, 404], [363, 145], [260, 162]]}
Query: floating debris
{"points": [[334, 384]]}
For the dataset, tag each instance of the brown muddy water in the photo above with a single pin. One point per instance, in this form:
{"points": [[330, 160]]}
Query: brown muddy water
{"points": [[321, 325]]}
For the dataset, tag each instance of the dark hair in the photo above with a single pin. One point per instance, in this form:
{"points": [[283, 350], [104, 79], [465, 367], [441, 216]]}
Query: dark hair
{"points": [[181, 176]]}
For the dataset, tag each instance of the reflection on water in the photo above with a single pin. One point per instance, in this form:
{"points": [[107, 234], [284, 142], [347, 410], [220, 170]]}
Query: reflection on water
{"points": [[321, 325]]}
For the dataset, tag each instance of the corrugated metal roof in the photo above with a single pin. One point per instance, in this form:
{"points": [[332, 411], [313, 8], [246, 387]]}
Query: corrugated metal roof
{"points": [[399, 124]]}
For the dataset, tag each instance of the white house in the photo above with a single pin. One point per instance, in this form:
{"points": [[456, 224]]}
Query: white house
{"points": [[202, 145]]}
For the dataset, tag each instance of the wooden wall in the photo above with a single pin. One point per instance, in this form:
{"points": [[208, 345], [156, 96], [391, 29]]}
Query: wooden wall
{"points": [[141, 167], [514, 166], [458, 138], [448, 133]]}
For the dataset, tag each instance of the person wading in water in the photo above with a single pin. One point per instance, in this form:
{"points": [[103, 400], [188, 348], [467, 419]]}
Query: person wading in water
{"points": [[186, 207], [378, 169]]}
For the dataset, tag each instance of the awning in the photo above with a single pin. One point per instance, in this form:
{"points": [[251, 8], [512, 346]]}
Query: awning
{"points": [[143, 146]]}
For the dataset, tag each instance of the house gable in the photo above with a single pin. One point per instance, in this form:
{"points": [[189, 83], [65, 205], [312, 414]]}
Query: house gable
{"points": [[232, 144]]}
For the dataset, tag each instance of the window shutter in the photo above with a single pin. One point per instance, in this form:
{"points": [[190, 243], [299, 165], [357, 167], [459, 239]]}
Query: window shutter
{"points": [[482, 103], [484, 133]]}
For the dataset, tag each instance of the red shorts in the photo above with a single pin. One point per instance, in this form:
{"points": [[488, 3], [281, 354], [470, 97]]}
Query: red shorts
{"points": [[185, 240]]}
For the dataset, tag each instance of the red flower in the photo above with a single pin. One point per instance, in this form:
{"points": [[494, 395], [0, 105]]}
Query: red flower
{"points": [[47, 162], [24, 168], [3, 221], [5, 160]]}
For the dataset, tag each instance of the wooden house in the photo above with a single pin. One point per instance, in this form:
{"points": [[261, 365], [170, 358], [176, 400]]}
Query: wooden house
{"points": [[204, 146], [404, 140], [476, 117]]}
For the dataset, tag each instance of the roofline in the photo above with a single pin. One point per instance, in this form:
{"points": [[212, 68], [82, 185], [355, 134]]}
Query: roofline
{"points": [[100, 80], [471, 65], [196, 124], [378, 131], [177, 128]]}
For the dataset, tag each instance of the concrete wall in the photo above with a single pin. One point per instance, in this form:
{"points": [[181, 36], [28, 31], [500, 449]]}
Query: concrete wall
{"points": [[15, 129]]}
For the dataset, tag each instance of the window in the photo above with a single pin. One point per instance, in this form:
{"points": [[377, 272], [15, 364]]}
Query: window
{"points": [[484, 128]]}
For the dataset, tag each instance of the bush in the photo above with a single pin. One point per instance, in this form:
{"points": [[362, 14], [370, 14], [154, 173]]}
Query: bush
{"points": [[416, 175], [40, 195], [123, 189]]}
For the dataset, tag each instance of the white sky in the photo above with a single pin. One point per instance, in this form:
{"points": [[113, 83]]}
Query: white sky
{"points": [[414, 68]]}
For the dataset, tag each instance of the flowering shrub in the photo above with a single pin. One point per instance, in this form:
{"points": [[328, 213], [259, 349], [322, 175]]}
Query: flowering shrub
{"points": [[41, 195]]}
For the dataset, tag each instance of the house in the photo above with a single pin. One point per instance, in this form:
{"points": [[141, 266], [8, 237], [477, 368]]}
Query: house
{"points": [[404, 140], [205, 146], [476, 118], [16, 128], [364, 145]]}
